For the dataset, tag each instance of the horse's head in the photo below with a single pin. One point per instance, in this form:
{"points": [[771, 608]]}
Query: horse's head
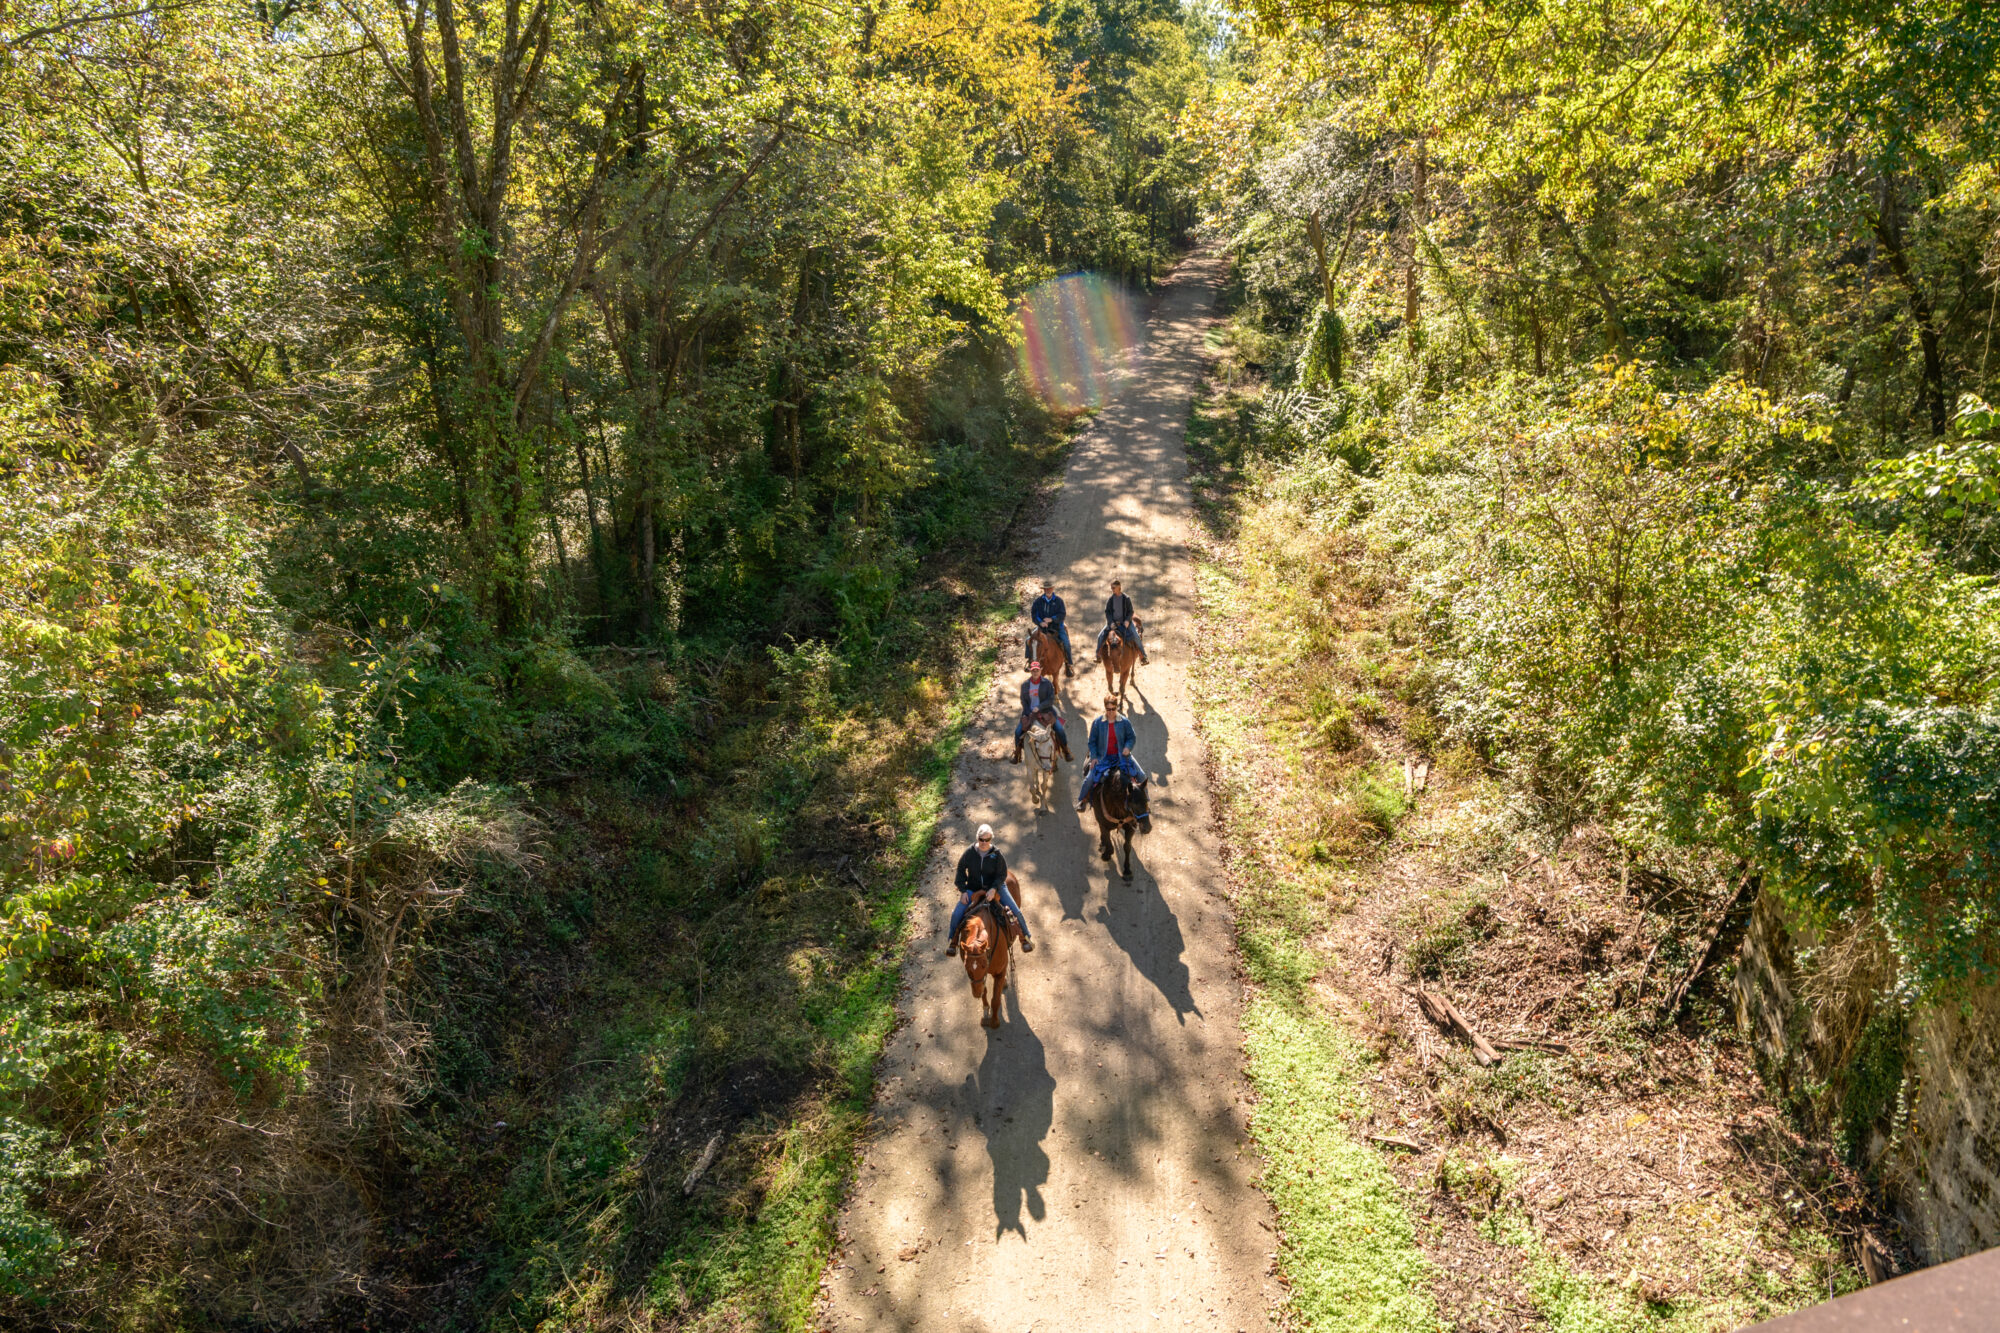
{"points": [[1136, 799], [1113, 641], [974, 944]]}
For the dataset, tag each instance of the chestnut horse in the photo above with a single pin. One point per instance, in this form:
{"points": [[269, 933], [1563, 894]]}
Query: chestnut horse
{"points": [[1045, 646], [1120, 656], [983, 942], [1118, 802]]}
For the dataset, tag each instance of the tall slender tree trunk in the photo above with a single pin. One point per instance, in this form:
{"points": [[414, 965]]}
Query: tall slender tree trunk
{"points": [[1413, 284], [1889, 229]]}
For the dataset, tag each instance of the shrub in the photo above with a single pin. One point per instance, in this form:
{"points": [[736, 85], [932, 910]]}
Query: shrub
{"points": [[1634, 604]]}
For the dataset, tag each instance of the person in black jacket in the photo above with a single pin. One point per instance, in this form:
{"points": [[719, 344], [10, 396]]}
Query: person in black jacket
{"points": [[1118, 615], [982, 868]]}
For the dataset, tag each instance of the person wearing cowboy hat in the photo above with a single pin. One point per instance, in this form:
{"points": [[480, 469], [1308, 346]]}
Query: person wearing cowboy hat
{"points": [[1048, 613]]}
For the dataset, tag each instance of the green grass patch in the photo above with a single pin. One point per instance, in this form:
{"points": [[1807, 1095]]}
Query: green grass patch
{"points": [[1350, 1247]]}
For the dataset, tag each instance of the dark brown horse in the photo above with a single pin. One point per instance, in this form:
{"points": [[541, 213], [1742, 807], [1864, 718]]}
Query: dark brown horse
{"points": [[984, 938], [1045, 646], [1119, 804], [1120, 656]]}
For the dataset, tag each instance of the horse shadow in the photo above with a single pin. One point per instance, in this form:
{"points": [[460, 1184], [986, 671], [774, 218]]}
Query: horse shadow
{"points": [[1013, 1100], [1139, 922]]}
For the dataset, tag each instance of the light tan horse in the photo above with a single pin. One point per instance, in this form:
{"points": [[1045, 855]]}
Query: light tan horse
{"points": [[1046, 647], [1120, 657], [983, 946]]}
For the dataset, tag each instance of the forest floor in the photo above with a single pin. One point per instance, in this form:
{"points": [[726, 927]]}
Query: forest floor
{"points": [[1628, 1173]]}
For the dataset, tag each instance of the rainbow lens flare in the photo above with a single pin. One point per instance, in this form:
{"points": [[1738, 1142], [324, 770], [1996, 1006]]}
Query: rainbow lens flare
{"points": [[1074, 329]]}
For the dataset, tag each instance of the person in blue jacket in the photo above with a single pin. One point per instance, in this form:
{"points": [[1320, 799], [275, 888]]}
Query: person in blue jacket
{"points": [[1048, 613], [982, 868], [1038, 695], [1111, 744], [1118, 615]]}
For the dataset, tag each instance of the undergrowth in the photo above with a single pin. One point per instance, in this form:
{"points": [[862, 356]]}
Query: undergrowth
{"points": [[1375, 852]]}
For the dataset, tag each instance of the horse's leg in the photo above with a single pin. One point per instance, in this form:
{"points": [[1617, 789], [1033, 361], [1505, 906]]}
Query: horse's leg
{"points": [[1103, 839], [1125, 859]]}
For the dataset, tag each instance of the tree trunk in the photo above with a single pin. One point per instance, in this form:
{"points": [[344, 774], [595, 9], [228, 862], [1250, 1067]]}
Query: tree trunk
{"points": [[1413, 287], [1889, 229]]}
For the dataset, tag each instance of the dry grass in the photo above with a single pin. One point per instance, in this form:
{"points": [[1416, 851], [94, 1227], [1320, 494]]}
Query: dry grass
{"points": [[258, 1211]]}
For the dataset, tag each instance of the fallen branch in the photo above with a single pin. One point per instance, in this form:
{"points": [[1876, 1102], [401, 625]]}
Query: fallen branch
{"points": [[1445, 1014], [1678, 995], [705, 1161], [1396, 1143], [1529, 1044]]}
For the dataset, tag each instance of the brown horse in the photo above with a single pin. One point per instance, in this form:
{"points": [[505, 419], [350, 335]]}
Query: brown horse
{"points": [[1045, 646], [1121, 805], [983, 942], [1120, 656]]}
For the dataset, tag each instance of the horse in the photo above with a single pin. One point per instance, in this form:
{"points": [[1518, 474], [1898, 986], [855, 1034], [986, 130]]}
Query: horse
{"points": [[1120, 656], [1118, 802], [1042, 745], [1045, 646], [983, 941]]}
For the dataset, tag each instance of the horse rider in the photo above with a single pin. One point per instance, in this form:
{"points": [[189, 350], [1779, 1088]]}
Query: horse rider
{"points": [[1048, 613], [980, 869], [1118, 615], [1038, 698], [1111, 743]]}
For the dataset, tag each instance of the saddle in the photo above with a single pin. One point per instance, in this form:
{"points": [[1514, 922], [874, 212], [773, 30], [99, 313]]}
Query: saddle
{"points": [[996, 919]]}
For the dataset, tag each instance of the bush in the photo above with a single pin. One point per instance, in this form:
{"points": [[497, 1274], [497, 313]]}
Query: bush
{"points": [[1636, 605]]}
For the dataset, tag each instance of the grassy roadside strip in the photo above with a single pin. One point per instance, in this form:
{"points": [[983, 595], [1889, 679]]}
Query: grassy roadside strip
{"points": [[1348, 1248]]}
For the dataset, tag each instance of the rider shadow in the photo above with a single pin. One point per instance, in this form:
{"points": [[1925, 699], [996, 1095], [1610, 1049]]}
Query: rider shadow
{"points": [[1149, 727], [1141, 923], [1013, 1097]]}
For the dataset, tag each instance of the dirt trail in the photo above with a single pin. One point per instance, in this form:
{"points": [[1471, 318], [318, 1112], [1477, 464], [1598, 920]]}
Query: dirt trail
{"points": [[1086, 1165]]}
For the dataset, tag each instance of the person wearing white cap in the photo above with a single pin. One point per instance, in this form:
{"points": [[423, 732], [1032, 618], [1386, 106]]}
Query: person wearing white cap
{"points": [[980, 869]]}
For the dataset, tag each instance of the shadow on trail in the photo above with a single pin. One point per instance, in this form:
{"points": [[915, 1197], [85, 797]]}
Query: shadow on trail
{"points": [[1149, 725], [1140, 922], [1013, 1100]]}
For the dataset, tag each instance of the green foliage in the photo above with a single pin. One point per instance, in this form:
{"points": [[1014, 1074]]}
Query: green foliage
{"points": [[1379, 795], [1350, 1248], [402, 422], [1872, 1083], [1436, 941], [1323, 352]]}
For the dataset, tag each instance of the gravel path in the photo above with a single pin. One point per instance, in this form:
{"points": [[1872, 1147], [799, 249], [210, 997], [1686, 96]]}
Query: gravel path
{"points": [[1085, 1166]]}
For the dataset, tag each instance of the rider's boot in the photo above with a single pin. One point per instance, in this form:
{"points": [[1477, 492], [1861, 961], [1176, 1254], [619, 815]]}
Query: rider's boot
{"points": [[1063, 750], [951, 950], [1017, 753]]}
